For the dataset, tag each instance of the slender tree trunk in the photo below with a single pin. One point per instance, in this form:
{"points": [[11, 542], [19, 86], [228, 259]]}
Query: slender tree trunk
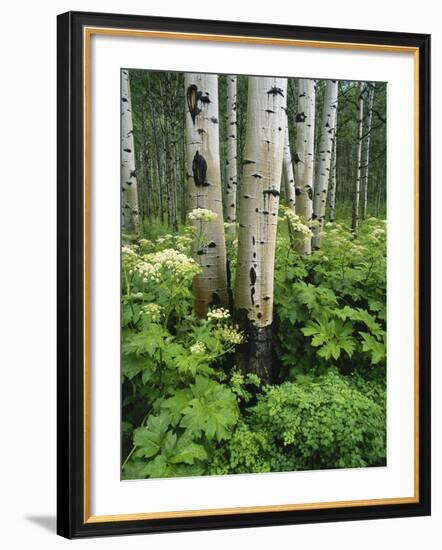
{"points": [[158, 163], [288, 173], [378, 199], [332, 185], [357, 187], [173, 177], [231, 174], [145, 164], [129, 199], [328, 126], [259, 201], [183, 183], [204, 189], [366, 168], [151, 172], [304, 156]]}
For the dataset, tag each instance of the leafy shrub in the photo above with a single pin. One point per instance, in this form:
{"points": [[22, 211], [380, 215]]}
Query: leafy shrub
{"points": [[321, 422], [334, 310], [175, 407]]}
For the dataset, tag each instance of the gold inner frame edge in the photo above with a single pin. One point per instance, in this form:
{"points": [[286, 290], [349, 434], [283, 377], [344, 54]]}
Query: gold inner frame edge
{"points": [[87, 33]]}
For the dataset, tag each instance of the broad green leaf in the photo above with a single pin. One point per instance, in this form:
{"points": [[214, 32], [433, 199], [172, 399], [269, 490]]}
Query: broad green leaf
{"points": [[189, 453]]}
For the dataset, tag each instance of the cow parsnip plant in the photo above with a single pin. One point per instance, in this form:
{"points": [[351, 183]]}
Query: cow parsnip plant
{"points": [[187, 409]]}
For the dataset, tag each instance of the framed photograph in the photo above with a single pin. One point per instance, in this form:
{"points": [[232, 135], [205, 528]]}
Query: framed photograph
{"points": [[243, 274]]}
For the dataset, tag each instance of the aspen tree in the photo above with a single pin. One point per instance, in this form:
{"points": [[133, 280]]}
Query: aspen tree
{"points": [[304, 156], [204, 190], [231, 174], [357, 184], [259, 201], [332, 184], [129, 193], [288, 173], [366, 167], [327, 129]]}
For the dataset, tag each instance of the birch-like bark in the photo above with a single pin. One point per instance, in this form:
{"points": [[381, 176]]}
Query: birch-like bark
{"points": [[328, 127], [129, 192], [259, 201], [366, 167], [288, 173], [332, 185], [304, 156], [357, 187], [203, 176], [231, 173]]}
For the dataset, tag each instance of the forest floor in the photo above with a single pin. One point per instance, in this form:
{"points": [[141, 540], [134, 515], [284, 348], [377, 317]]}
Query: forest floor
{"points": [[187, 409]]}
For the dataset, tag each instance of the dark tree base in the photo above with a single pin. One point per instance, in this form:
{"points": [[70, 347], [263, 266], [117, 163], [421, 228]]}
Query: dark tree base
{"points": [[255, 355]]}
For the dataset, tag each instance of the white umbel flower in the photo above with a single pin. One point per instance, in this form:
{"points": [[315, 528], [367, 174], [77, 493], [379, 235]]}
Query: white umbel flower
{"points": [[197, 348], [202, 214], [218, 314]]}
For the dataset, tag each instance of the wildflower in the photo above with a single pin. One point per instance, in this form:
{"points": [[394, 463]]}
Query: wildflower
{"points": [[128, 250], [202, 214], [183, 243], [152, 312], [230, 335], [218, 314], [197, 348], [296, 224], [153, 267]]}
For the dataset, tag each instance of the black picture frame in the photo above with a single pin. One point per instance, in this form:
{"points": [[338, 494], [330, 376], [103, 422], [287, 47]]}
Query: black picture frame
{"points": [[72, 520]]}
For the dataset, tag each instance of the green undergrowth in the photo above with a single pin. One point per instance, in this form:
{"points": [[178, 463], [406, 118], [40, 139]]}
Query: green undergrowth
{"points": [[186, 408]]}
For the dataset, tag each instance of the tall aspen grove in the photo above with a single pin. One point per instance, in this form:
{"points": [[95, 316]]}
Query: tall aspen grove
{"points": [[253, 274]]}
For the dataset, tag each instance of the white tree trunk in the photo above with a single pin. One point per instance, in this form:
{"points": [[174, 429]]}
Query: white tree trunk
{"points": [[288, 173], [129, 193], [367, 153], [304, 156], [231, 155], [332, 185], [357, 188], [259, 201], [328, 127], [204, 189]]}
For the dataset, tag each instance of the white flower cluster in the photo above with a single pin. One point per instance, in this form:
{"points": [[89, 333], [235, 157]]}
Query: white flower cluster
{"points": [[218, 314], [198, 348], [183, 243], [202, 214], [230, 335], [152, 311], [377, 235], [177, 264], [296, 224], [129, 250]]}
